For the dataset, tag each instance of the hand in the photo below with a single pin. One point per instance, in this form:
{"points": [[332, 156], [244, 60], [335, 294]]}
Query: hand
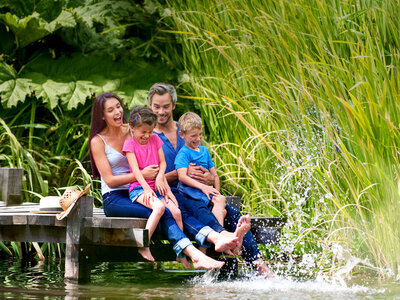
{"points": [[147, 195], [150, 172], [200, 174], [169, 196], [209, 190], [161, 185]]}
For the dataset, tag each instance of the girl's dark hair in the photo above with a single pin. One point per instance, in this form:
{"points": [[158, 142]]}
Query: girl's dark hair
{"points": [[142, 115], [98, 123]]}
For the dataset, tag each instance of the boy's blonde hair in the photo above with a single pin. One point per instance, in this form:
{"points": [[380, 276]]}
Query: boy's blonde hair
{"points": [[189, 121]]}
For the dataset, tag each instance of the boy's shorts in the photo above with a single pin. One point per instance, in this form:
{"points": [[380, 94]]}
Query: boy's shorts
{"points": [[137, 191]]}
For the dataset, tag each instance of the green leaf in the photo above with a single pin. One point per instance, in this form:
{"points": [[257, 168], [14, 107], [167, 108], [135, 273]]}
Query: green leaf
{"points": [[15, 90], [33, 27]]}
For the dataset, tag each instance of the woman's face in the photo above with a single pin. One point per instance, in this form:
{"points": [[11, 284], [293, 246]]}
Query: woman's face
{"points": [[113, 112]]}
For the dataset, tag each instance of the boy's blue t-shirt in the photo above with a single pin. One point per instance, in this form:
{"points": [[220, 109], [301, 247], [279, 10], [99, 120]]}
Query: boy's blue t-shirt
{"points": [[187, 155]]}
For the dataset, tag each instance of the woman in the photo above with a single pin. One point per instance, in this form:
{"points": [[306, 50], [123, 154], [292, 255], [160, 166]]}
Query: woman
{"points": [[107, 135]]}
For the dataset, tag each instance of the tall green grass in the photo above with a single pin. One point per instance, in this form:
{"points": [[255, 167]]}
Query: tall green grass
{"points": [[301, 104]]}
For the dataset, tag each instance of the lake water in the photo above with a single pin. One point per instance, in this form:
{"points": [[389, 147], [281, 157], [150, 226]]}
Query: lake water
{"points": [[33, 280]]}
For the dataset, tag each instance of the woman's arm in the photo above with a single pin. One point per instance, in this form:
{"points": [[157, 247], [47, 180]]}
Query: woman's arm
{"points": [[102, 164]]}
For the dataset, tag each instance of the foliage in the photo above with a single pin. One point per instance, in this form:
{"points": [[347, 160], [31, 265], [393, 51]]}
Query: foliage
{"points": [[300, 99], [68, 51]]}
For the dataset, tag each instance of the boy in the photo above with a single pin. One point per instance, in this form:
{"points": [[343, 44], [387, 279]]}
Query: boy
{"points": [[191, 130]]}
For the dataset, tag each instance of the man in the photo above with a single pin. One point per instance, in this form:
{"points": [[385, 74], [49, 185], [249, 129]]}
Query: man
{"points": [[162, 100]]}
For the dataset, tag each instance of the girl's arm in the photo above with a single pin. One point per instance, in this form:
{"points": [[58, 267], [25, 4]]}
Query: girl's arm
{"points": [[161, 182], [217, 183], [102, 164], [136, 171]]}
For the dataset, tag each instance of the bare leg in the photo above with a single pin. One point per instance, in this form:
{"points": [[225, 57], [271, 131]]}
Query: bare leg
{"points": [[175, 211], [152, 222], [200, 260], [219, 208]]}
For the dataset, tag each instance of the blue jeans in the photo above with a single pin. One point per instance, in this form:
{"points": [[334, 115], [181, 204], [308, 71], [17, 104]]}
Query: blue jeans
{"points": [[201, 211], [118, 204], [198, 209]]}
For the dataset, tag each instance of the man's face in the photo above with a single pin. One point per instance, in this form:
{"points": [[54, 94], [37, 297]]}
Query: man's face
{"points": [[192, 138], [162, 106]]}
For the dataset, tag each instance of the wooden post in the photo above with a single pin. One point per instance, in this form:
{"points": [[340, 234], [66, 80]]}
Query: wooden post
{"points": [[75, 267], [11, 186]]}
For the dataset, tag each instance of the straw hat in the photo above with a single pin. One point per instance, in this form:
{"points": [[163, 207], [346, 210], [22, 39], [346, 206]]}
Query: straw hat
{"points": [[69, 199]]}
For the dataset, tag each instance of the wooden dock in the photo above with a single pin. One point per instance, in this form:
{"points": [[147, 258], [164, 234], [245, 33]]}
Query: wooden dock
{"points": [[91, 237]]}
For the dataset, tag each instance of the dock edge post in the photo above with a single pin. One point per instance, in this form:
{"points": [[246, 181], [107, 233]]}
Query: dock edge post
{"points": [[75, 269]]}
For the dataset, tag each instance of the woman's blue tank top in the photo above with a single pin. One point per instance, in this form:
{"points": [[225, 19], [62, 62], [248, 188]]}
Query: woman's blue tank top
{"points": [[119, 165]]}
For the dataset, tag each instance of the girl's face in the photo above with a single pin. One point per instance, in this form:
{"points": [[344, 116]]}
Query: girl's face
{"points": [[113, 112], [142, 133]]}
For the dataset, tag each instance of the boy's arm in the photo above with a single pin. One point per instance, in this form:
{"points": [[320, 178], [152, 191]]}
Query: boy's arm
{"points": [[217, 183]]}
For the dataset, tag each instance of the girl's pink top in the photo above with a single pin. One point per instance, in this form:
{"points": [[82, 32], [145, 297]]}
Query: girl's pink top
{"points": [[146, 155]]}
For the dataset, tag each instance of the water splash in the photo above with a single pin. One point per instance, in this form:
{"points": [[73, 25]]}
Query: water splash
{"points": [[253, 287]]}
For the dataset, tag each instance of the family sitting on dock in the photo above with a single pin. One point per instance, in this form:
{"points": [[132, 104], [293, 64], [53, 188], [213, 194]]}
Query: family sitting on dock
{"points": [[155, 168]]}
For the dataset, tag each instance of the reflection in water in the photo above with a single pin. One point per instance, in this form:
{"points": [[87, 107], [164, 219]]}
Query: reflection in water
{"points": [[33, 280]]}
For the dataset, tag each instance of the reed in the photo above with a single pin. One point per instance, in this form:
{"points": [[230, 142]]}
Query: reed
{"points": [[300, 100]]}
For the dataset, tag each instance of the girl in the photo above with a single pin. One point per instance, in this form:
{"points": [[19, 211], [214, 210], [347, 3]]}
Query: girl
{"points": [[142, 150]]}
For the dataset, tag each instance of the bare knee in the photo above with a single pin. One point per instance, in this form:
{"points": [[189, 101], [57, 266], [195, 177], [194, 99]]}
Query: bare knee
{"points": [[219, 200], [176, 212], [158, 207]]}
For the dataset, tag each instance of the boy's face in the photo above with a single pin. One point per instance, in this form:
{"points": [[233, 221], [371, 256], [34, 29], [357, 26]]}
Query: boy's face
{"points": [[192, 138]]}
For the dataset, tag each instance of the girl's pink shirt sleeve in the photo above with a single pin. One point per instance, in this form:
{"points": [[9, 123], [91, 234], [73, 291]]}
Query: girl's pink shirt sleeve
{"points": [[158, 141], [128, 146]]}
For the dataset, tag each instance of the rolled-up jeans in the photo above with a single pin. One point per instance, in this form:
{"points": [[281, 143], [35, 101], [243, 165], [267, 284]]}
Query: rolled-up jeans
{"points": [[202, 211], [117, 204]]}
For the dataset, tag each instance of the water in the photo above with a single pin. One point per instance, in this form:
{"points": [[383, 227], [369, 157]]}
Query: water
{"points": [[33, 280]]}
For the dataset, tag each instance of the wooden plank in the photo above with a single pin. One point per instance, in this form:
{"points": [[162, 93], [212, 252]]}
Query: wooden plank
{"points": [[114, 222], [117, 237], [26, 233], [11, 185]]}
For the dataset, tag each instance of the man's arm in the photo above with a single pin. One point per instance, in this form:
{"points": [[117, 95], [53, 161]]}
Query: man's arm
{"points": [[200, 174], [171, 176]]}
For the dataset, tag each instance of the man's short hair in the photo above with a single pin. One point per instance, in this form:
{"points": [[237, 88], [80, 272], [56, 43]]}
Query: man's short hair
{"points": [[161, 89], [189, 121]]}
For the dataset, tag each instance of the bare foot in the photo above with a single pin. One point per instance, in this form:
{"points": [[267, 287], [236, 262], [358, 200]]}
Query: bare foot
{"points": [[145, 253], [205, 262], [262, 268], [186, 265], [225, 243], [242, 228]]}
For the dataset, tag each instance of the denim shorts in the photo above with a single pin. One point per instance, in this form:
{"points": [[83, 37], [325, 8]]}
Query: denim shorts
{"points": [[138, 190]]}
